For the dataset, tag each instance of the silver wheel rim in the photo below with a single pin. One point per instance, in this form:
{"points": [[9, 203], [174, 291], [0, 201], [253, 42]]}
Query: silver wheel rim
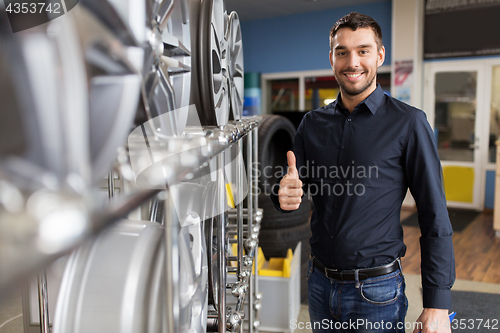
{"points": [[89, 89], [122, 267], [193, 276], [114, 61], [235, 68], [212, 216], [167, 71], [193, 268], [211, 237], [213, 60], [45, 71]]}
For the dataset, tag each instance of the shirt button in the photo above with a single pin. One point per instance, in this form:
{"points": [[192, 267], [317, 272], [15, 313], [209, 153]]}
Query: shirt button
{"points": [[349, 119], [331, 237], [343, 147]]}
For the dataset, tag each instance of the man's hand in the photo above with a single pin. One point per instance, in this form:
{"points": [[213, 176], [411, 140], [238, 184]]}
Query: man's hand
{"points": [[434, 321], [290, 193]]}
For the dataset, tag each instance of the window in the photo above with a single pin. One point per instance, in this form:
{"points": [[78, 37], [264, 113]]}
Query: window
{"points": [[284, 95]]}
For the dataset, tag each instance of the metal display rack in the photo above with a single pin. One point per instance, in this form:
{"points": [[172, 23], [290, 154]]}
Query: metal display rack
{"points": [[242, 222]]}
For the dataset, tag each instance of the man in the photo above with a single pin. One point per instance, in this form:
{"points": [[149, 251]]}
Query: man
{"points": [[357, 157]]}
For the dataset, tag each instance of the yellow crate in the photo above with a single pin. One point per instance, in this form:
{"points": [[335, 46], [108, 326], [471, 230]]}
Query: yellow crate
{"points": [[279, 267]]}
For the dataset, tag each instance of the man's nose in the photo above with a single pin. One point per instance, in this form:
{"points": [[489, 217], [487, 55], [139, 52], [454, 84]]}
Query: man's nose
{"points": [[353, 60]]}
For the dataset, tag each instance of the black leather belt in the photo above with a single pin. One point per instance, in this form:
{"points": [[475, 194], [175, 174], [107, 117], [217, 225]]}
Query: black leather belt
{"points": [[350, 275]]}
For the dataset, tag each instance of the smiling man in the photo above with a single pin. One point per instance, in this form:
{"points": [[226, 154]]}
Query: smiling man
{"points": [[355, 279]]}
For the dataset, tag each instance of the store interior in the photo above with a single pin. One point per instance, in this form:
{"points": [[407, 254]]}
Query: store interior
{"points": [[242, 82]]}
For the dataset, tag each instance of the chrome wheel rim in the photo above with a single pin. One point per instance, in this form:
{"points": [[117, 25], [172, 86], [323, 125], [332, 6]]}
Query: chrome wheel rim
{"points": [[235, 68], [213, 63], [193, 271], [114, 60], [83, 77], [122, 264], [211, 237], [192, 254], [44, 70], [193, 276], [167, 69]]}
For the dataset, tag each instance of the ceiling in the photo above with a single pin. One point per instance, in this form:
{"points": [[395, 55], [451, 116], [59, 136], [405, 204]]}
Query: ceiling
{"points": [[259, 9]]}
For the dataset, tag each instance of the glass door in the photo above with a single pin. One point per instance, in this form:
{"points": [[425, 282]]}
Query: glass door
{"points": [[455, 106]]}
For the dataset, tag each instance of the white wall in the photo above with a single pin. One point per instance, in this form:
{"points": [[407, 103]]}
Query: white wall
{"points": [[407, 45]]}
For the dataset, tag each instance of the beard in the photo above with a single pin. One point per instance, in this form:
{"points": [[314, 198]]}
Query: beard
{"points": [[347, 88]]}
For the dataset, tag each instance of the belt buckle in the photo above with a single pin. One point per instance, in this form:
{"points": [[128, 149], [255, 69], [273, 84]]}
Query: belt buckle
{"points": [[331, 270], [326, 272]]}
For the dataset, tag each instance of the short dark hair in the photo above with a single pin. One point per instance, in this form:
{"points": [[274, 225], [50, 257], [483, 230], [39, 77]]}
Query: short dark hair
{"points": [[354, 21]]}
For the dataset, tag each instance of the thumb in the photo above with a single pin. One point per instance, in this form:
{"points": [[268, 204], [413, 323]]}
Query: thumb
{"points": [[292, 168]]}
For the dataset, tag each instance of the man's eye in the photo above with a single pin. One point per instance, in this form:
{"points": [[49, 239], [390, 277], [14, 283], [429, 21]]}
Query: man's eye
{"points": [[363, 52], [341, 53]]}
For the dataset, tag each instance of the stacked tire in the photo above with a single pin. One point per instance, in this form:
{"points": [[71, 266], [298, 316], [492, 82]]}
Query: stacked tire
{"points": [[280, 231]]}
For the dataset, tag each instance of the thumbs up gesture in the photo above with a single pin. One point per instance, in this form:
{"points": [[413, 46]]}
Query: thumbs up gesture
{"points": [[290, 193]]}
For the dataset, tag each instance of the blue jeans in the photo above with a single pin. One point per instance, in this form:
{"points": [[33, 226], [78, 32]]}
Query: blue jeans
{"points": [[378, 305]]}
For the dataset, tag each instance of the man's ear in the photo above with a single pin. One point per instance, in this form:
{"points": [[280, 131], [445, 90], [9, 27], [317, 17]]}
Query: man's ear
{"points": [[331, 59], [381, 56]]}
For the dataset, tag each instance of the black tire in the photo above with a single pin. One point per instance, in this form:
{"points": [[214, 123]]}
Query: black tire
{"points": [[276, 135], [274, 219], [276, 242]]}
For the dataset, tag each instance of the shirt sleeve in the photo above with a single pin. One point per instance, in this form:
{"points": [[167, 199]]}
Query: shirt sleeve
{"points": [[424, 177], [298, 150]]}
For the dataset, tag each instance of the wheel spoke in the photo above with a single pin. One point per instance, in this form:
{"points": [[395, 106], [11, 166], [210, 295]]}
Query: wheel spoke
{"points": [[219, 97], [238, 89], [170, 44], [218, 79], [150, 82], [219, 20], [173, 66], [149, 59], [239, 71], [150, 7], [164, 10], [168, 91], [174, 47], [236, 72], [104, 49], [108, 16], [221, 103], [163, 108], [100, 56]]}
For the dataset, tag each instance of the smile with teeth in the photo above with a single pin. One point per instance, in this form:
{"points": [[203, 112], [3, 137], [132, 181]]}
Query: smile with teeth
{"points": [[353, 75]]}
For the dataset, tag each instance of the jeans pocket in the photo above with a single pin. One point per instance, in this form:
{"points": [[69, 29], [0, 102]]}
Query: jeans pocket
{"points": [[309, 268], [383, 291]]}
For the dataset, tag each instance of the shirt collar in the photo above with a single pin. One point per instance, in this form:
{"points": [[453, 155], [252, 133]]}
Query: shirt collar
{"points": [[372, 102]]}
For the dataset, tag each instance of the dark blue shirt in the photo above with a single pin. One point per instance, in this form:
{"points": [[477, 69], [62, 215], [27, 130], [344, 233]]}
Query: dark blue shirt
{"points": [[357, 167]]}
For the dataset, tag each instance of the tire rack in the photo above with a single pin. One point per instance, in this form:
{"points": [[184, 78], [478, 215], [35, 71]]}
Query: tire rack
{"points": [[244, 223], [30, 259]]}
